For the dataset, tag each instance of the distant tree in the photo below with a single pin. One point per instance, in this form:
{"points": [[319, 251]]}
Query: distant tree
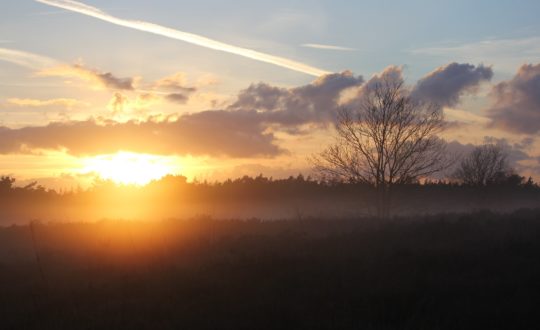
{"points": [[486, 164], [389, 139], [6, 183]]}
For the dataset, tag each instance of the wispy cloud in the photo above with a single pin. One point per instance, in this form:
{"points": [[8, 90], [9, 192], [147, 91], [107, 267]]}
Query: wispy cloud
{"points": [[505, 54], [172, 88], [464, 116], [29, 60], [62, 102], [530, 45], [184, 36], [99, 79], [328, 47], [48, 67]]}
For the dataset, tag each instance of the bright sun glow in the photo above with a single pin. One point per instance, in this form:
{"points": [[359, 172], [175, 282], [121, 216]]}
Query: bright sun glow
{"points": [[129, 168]]}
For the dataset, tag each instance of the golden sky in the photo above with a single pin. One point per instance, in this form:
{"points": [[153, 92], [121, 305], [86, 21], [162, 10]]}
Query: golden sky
{"points": [[123, 91]]}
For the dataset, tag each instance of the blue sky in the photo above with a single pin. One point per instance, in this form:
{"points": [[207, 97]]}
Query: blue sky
{"points": [[382, 32], [417, 36]]}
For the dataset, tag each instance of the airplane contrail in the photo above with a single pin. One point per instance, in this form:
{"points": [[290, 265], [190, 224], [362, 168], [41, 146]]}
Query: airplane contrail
{"points": [[195, 39]]}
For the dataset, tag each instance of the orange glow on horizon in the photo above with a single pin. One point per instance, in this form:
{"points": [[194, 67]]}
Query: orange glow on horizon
{"points": [[129, 168]]}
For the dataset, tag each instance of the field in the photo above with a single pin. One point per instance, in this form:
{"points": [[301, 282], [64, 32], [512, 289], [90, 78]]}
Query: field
{"points": [[451, 271]]}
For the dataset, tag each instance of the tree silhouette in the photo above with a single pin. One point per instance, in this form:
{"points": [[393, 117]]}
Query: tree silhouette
{"points": [[486, 164], [389, 139], [6, 183]]}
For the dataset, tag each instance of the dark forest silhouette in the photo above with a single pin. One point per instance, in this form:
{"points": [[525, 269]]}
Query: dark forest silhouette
{"points": [[261, 197]]}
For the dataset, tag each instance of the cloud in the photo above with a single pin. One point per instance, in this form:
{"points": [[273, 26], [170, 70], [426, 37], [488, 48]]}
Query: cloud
{"points": [[312, 103], [516, 151], [245, 128], [445, 85], [214, 133], [49, 67], [100, 79], [242, 130], [506, 54], [184, 36], [121, 104], [457, 116], [177, 84], [61, 102], [327, 47], [177, 98], [117, 103], [174, 88], [28, 60], [516, 102], [350, 98]]}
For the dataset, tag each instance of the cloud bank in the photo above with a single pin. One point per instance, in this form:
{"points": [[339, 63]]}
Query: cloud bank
{"points": [[312, 103], [246, 128], [215, 133]]}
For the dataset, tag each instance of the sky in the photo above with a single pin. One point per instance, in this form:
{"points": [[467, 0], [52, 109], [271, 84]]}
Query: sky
{"points": [[133, 90]]}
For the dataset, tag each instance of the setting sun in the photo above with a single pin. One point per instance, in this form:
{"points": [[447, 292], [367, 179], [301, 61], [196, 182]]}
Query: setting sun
{"points": [[129, 168]]}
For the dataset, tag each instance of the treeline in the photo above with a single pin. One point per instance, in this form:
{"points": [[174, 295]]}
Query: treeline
{"points": [[261, 197], [252, 187]]}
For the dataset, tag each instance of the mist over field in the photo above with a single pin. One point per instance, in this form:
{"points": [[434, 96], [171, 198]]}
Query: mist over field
{"points": [[295, 198]]}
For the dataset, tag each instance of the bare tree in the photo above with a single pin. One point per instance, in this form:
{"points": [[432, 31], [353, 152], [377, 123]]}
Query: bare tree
{"points": [[389, 139], [486, 164]]}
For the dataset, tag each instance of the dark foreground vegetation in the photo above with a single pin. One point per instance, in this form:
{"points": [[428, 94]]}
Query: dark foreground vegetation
{"points": [[471, 271]]}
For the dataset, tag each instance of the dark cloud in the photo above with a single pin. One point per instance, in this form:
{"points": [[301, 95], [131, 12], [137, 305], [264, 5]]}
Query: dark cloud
{"points": [[215, 133], [516, 105], [312, 103], [446, 84], [177, 86], [177, 98], [110, 81]]}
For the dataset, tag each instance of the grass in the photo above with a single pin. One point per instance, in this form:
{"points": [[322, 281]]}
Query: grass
{"points": [[453, 271]]}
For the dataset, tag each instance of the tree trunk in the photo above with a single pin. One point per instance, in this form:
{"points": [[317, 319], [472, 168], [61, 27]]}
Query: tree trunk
{"points": [[384, 201]]}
